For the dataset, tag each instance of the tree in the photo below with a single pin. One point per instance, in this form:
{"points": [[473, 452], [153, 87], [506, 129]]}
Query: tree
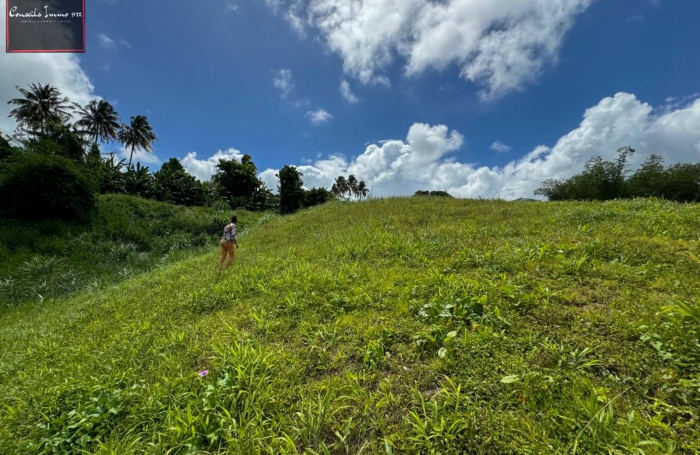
{"points": [[111, 176], [340, 187], [39, 105], [137, 136], [682, 182], [352, 185], [99, 120], [238, 181], [263, 199], [58, 139], [173, 184], [138, 181], [290, 189], [362, 189], [648, 180], [599, 181], [6, 150]]}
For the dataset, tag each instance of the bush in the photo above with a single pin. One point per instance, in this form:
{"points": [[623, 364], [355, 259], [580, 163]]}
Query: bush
{"points": [[37, 187], [316, 196], [433, 193]]}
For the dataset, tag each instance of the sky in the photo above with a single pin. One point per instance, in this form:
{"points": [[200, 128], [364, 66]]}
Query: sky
{"points": [[480, 98]]}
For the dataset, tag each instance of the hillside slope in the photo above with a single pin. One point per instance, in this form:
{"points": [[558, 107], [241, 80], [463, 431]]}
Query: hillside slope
{"points": [[125, 236], [387, 326]]}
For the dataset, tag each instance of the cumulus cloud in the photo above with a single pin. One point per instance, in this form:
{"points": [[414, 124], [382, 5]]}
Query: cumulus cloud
{"points": [[500, 147], [319, 116], [347, 93], [204, 169], [283, 82], [61, 70], [145, 158], [422, 160], [501, 45]]}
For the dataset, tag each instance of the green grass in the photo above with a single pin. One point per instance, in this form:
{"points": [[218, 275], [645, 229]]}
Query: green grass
{"points": [[387, 326], [126, 236]]}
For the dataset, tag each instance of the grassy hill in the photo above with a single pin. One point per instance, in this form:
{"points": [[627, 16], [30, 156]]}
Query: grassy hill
{"points": [[388, 326]]}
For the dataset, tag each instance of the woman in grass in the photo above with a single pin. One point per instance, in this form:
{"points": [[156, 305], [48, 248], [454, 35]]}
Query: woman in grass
{"points": [[227, 241]]}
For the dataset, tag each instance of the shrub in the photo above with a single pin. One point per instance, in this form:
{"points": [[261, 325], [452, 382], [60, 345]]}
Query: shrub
{"points": [[316, 196], [36, 187], [432, 193]]}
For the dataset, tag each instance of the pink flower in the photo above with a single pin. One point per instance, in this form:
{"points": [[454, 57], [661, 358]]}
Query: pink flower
{"points": [[203, 373]]}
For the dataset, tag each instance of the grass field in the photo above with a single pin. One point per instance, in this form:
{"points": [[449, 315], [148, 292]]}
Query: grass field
{"points": [[414, 325]]}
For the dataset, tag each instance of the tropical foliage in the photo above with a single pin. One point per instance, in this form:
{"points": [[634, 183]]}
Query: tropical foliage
{"points": [[605, 180], [138, 135], [99, 120], [39, 106], [290, 189], [349, 187]]}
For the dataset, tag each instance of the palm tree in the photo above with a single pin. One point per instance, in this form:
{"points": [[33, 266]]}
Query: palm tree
{"points": [[362, 189], [352, 185], [40, 105], [99, 119], [342, 186], [138, 135]]}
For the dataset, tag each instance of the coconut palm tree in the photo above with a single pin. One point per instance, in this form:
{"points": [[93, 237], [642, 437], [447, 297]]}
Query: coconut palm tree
{"points": [[138, 135], [352, 185], [99, 119], [362, 189], [342, 186], [40, 105]]}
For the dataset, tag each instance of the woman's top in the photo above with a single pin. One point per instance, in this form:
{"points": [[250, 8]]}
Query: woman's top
{"points": [[229, 233]]}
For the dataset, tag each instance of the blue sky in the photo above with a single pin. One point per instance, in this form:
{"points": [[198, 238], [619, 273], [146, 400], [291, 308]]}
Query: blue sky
{"points": [[482, 98]]}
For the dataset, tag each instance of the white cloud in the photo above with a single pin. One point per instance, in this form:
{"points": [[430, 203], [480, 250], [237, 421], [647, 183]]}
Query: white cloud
{"points": [[500, 45], [274, 4], [295, 21], [422, 162], [125, 43], [106, 41], [347, 93], [231, 7], [145, 158], [319, 116], [283, 81], [204, 169], [61, 70], [500, 147], [302, 102]]}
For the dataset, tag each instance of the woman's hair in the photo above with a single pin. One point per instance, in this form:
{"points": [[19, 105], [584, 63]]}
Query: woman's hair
{"points": [[234, 219]]}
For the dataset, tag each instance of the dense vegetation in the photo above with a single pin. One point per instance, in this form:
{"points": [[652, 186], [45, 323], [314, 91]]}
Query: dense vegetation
{"points": [[608, 180], [125, 236], [55, 147], [415, 325]]}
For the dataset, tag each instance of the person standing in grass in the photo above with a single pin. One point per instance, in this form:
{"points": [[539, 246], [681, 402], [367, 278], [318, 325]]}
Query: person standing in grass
{"points": [[227, 241]]}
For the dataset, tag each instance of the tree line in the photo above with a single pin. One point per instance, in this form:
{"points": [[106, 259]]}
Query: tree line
{"points": [[605, 180], [52, 165]]}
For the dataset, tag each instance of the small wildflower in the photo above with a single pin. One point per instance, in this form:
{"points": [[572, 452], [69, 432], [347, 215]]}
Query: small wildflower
{"points": [[203, 373]]}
